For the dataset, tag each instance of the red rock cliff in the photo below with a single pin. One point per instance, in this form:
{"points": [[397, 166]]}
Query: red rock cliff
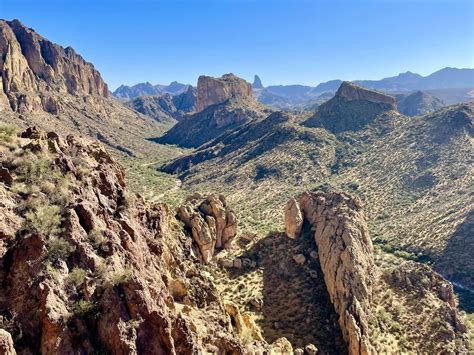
{"points": [[35, 71], [212, 91]]}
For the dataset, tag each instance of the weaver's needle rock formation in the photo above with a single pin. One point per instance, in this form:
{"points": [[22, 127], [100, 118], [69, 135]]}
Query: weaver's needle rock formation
{"points": [[257, 83]]}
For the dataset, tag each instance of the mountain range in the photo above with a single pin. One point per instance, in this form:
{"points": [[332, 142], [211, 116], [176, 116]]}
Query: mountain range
{"points": [[202, 221], [451, 85], [125, 92]]}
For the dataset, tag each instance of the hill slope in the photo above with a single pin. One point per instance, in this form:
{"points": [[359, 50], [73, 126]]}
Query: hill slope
{"points": [[351, 109], [418, 103], [413, 173], [52, 87], [416, 179], [166, 108]]}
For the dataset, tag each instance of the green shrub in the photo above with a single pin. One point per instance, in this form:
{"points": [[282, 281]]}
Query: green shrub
{"points": [[33, 169], [44, 219], [84, 308], [77, 276], [58, 249], [96, 238], [7, 132], [121, 276]]}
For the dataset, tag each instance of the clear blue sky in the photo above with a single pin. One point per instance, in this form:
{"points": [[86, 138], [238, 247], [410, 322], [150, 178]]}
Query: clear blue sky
{"points": [[285, 42]]}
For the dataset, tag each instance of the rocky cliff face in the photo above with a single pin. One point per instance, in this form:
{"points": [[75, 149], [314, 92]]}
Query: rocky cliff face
{"points": [[45, 85], [212, 91], [346, 257], [353, 92], [34, 69], [355, 285], [85, 268]]}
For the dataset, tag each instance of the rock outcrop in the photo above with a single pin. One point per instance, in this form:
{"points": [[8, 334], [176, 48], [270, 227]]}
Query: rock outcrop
{"points": [[6, 343], [353, 92], [257, 83], [212, 91], [293, 219], [231, 107], [36, 72], [346, 256], [212, 224], [351, 109], [90, 269], [361, 293]]}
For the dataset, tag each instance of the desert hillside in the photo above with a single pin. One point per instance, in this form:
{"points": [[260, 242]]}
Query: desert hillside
{"points": [[182, 220]]}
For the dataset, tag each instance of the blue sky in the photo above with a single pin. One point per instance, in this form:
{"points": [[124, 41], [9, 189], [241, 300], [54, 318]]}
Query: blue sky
{"points": [[284, 42]]}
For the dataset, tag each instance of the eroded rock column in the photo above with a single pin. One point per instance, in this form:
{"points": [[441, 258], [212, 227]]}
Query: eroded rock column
{"points": [[346, 256]]}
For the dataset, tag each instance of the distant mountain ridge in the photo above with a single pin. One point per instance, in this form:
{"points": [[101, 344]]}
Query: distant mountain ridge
{"points": [[452, 85], [446, 79], [166, 108], [126, 92]]}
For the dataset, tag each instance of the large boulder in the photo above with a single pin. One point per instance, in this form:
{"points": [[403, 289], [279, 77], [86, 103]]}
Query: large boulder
{"points": [[6, 343], [293, 218], [211, 222]]}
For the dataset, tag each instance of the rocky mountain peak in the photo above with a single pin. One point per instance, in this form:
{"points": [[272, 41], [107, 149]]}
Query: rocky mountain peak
{"points": [[33, 68], [350, 92], [351, 109], [212, 91], [257, 83]]}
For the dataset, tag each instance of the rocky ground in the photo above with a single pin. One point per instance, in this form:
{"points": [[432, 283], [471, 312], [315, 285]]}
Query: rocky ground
{"points": [[82, 245]]}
